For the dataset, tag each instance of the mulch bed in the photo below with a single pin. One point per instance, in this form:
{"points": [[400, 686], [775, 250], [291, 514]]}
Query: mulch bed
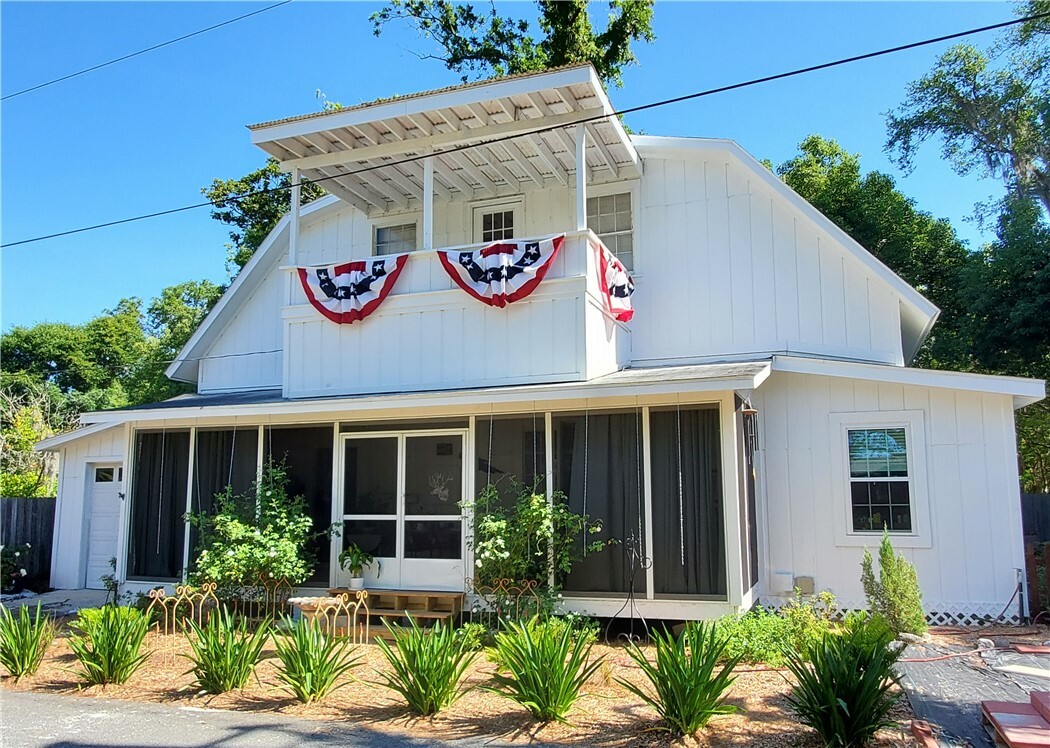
{"points": [[606, 715]]}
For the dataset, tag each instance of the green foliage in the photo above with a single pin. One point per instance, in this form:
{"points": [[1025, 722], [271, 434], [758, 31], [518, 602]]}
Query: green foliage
{"points": [[109, 643], [481, 43], [355, 560], [763, 636], [13, 560], [546, 666], [24, 639], [426, 665], [253, 205], [312, 662], [224, 651], [895, 595], [528, 538], [686, 691], [261, 534], [845, 683], [476, 636]]}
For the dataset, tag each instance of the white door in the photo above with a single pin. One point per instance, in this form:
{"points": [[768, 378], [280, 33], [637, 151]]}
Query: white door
{"points": [[401, 503], [105, 487]]}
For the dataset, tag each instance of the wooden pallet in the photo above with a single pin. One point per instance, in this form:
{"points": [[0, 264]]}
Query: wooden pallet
{"points": [[395, 606], [1017, 725]]}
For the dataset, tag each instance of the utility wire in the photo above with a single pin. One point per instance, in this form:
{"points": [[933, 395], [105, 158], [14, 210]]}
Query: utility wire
{"points": [[548, 128], [142, 51]]}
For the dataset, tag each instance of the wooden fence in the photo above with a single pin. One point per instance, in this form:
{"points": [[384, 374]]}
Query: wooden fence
{"points": [[30, 521], [1035, 517]]}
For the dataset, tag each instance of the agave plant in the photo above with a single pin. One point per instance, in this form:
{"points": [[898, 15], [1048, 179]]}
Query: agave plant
{"points": [[109, 644], [24, 639], [547, 665], [687, 692], [426, 665], [312, 662], [225, 651]]}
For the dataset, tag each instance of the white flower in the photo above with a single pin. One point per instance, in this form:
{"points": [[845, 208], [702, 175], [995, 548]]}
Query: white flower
{"points": [[23, 572], [272, 553], [478, 563], [269, 493], [229, 552], [28, 545], [17, 554]]}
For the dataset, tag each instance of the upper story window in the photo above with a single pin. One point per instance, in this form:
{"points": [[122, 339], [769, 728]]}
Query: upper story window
{"points": [[879, 480], [499, 222], [395, 239], [612, 219]]}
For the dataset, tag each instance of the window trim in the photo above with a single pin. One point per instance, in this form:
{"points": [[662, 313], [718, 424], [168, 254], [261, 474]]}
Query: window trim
{"points": [[516, 205], [633, 187], [399, 220], [913, 423]]}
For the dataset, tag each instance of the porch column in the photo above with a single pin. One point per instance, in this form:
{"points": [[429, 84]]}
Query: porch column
{"points": [[293, 229], [581, 177], [428, 203]]}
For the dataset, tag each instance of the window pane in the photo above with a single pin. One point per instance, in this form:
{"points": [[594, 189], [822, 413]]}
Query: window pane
{"points": [[510, 452], [395, 239], [433, 474], [375, 536], [221, 458], [104, 475], [434, 539], [881, 504], [876, 453], [370, 480], [158, 504]]}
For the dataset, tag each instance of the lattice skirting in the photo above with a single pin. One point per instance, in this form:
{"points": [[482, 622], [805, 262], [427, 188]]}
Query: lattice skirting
{"points": [[938, 613]]}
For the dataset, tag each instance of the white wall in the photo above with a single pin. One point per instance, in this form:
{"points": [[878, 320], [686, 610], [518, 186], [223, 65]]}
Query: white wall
{"points": [[974, 536], [69, 549]]}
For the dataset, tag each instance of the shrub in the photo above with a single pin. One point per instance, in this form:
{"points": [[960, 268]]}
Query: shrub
{"points": [[895, 595], [426, 665], [846, 682], [13, 560], [312, 662], [547, 665], [109, 643], [763, 636], [224, 651], [686, 690], [476, 636], [24, 640]]}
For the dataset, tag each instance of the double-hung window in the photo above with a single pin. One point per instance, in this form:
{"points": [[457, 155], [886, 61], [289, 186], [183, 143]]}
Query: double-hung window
{"points": [[395, 239], [612, 219], [879, 480]]}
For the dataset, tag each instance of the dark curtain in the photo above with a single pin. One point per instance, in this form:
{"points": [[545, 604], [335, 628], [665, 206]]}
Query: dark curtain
{"points": [[158, 505], [510, 452], [307, 452], [689, 557], [221, 458], [606, 448]]}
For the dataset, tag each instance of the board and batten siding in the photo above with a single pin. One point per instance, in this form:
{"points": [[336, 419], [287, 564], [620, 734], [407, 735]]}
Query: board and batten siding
{"points": [[725, 266], [974, 542], [72, 511]]}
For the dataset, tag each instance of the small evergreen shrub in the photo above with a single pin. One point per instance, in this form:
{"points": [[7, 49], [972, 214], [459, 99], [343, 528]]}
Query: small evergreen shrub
{"points": [[546, 665], [109, 643], [224, 651], [846, 682], [764, 636], [426, 665], [895, 595], [24, 639], [312, 663], [686, 690]]}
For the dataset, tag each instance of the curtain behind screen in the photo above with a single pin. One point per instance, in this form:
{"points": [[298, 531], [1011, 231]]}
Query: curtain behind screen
{"points": [[612, 468], [221, 458], [689, 557], [158, 505]]}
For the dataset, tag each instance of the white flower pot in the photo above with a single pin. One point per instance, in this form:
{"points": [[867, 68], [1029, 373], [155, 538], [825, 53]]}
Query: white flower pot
{"points": [[357, 583]]}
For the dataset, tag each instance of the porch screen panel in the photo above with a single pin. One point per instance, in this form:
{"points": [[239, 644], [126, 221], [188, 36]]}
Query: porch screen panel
{"points": [[690, 556], [221, 458], [510, 451], [158, 505], [307, 452], [598, 465]]}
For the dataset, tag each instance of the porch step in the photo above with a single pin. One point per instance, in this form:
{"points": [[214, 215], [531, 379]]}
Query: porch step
{"points": [[405, 612], [419, 603]]}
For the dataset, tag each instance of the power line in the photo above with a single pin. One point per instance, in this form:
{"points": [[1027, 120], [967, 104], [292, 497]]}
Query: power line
{"points": [[142, 51], [542, 129]]}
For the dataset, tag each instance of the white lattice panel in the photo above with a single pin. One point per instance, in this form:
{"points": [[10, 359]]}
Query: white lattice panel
{"points": [[938, 613]]}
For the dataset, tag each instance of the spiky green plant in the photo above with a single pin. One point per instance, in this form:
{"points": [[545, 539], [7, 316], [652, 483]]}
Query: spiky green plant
{"points": [[24, 640], [109, 645], [686, 691], [846, 682], [895, 594], [546, 666], [426, 665], [312, 662], [225, 651]]}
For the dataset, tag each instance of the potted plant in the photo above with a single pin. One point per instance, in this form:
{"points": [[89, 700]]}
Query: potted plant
{"points": [[355, 561]]}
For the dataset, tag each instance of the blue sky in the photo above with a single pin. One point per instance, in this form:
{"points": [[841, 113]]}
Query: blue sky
{"points": [[147, 134]]}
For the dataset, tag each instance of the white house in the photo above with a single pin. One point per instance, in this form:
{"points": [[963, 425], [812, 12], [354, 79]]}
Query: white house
{"points": [[752, 427]]}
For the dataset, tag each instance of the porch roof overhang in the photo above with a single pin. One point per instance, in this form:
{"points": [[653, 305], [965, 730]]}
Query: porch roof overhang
{"points": [[740, 377], [487, 139]]}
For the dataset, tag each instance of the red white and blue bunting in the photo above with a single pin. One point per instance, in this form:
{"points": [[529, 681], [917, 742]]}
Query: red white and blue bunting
{"points": [[615, 284], [350, 292], [503, 272]]}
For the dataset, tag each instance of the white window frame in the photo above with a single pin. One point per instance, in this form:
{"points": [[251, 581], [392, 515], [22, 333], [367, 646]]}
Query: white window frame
{"points": [[515, 205], [633, 187], [401, 220], [913, 423]]}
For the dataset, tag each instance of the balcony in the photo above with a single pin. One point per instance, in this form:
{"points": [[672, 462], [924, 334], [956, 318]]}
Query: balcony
{"points": [[431, 335]]}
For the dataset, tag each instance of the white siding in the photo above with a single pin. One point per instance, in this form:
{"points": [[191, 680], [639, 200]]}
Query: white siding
{"points": [[69, 549], [975, 540]]}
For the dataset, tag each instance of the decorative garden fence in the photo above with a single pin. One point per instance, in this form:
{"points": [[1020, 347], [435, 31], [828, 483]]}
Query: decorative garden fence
{"points": [[339, 615], [503, 599]]}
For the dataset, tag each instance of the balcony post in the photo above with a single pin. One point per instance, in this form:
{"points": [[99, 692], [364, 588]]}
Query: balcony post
{"points": [[293, 229], [581, 177], [428, 203]]}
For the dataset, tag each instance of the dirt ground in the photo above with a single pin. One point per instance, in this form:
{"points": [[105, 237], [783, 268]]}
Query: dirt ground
{"points": [[605, 715]]}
